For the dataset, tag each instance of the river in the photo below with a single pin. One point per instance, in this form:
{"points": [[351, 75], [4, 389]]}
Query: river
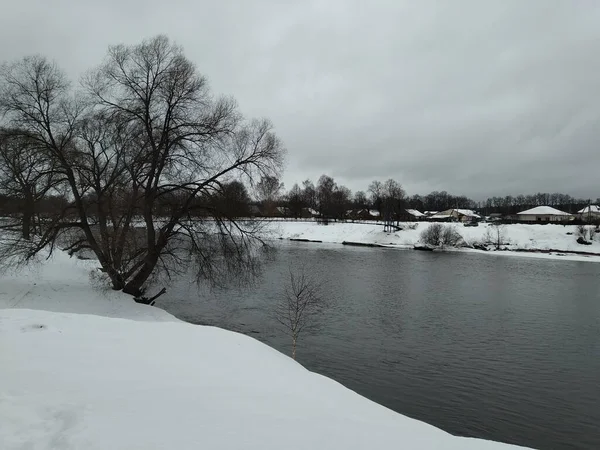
{"points": [[494, 347]]}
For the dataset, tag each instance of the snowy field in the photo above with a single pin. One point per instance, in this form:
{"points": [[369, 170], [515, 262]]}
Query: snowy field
{"points": [[88, 369], [517, 236]]}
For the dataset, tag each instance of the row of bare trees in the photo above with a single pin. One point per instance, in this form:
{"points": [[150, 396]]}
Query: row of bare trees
{"points": [[333, 200], [144, 154]]}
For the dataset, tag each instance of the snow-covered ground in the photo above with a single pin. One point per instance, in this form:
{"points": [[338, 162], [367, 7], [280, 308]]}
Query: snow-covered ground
{"points": [[517, 236], [88, 369]]}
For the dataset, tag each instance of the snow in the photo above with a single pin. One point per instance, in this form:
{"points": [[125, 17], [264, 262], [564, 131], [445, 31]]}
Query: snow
{"points": [[544, 210], [590, 208], [74, 376], [64, 284], [441, 216], [517, 236]]}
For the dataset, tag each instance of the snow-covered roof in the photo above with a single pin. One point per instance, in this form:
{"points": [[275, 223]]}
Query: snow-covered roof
{"points": [[544, 211], [414, 212], [374, 212], [590, 209], [430, 213], [455, 212], [467, 212], [313, 212]]}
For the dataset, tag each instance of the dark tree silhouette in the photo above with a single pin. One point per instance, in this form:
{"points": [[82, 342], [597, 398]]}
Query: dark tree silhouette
{"points": [[147, 133]]}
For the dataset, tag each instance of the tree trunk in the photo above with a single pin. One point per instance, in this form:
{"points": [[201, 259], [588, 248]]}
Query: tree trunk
{"points": [[115, 279], [28, 211], [134, 286], [294, 339]]}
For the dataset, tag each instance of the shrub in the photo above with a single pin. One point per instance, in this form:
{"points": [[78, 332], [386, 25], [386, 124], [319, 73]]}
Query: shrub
{"points": [[451, 237], [438, 235], [432, 235], [585, 232]]}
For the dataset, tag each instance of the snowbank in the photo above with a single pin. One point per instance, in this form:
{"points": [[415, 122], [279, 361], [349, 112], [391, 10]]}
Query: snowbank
{"points": [[81, 381], [517, 236], [65, 284]]}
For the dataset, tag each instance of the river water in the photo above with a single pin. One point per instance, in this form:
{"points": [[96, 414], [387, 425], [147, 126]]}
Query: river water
{"points": [[495, 347]]}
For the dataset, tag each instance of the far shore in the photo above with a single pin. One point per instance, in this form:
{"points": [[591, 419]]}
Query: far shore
{"points": [[538, 241]]}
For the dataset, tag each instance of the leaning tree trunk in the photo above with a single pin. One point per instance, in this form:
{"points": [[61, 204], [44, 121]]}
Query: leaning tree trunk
{"points": [[135, 285]]}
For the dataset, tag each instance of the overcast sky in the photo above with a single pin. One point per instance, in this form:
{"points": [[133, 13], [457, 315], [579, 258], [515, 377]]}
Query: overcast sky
{"points": [[476, 97]]}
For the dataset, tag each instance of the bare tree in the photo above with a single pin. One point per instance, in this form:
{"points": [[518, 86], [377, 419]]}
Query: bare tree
{"points": [[301, 304], [325, 189], [268, 190], [309, 194], [142, 153], [295, 201], [496, 235], [360, 200], [393, 198], [341, 201], [26, 175], [376, 194]]}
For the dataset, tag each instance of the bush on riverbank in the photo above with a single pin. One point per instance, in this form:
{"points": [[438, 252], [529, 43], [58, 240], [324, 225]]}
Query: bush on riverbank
{"points": [[438, 235]]}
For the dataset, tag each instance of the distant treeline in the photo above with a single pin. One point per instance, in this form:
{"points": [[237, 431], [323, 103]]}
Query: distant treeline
{"points": [[326, 198]]}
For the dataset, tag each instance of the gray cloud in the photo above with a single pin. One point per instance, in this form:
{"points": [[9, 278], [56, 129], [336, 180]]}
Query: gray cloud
{"points": [[474, 97]]}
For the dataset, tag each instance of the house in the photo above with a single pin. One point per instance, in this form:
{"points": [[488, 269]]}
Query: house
{"points": [[365, 214], [281, 211], [254, 211], [411, 215], [455, 214], [430, 213], [590, 213], [307, 213], [544, 214]]}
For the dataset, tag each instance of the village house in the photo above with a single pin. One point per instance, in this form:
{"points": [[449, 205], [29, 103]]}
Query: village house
{"points": [[411, 215], [461, 215], [543, 214], [254, 211], [590, 213], [365, 214]]}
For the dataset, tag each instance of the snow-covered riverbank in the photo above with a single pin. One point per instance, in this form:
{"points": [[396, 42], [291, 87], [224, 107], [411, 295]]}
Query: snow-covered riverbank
{"points": [[82, 368], [544, 238]]}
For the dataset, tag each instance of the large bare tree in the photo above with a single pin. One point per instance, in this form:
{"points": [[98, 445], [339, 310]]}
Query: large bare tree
{"points": [[143, 150]]}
